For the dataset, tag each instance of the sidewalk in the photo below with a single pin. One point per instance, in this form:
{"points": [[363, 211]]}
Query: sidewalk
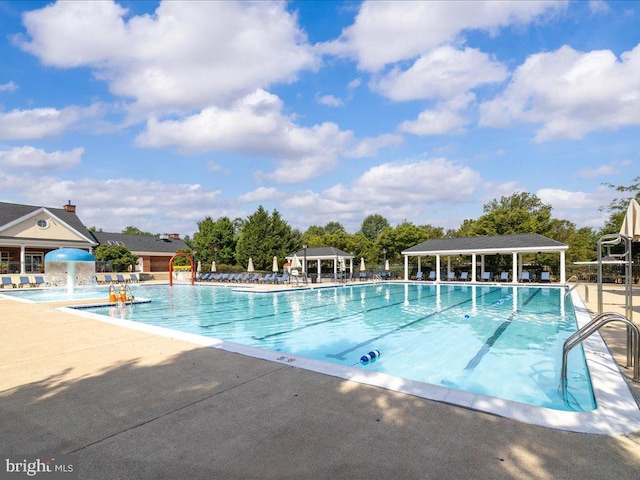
{"points": [[130, 405]]}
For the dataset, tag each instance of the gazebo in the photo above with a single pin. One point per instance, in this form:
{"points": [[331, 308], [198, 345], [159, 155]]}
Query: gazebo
{"points": [[318, 254], [515, 245]]}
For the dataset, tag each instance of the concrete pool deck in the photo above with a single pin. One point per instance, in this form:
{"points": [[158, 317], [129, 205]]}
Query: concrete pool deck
{"points": [[129, 404]]}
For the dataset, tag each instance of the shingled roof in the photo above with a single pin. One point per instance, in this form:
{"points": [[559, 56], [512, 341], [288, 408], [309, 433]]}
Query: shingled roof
{"points": [[323, 253], [488, 244], [11, 212], [139, 244]]}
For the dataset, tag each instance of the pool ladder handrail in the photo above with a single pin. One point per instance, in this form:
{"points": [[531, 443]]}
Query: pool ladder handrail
{"points": [[377, 278], [633, 336], [574, 286]]}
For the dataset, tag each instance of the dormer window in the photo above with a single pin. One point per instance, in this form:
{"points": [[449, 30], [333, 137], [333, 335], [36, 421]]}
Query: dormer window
{"points": [[43, 224]]}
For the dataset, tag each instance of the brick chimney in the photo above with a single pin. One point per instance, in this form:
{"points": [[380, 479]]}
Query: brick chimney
{"points": [[174, 236], [69, 208]]}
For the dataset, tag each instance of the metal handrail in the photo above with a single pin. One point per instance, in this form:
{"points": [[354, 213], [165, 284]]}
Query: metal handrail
{"points": [[574, 286], [633, 336]]}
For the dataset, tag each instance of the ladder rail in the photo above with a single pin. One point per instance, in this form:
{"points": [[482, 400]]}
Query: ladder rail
{"points": [[574, 286], [633, 337]]}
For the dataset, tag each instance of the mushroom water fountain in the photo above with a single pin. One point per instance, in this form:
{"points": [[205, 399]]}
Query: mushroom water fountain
{"points": [[70, 267]]}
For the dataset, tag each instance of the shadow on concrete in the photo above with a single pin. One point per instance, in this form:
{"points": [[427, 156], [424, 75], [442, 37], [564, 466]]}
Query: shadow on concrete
{"points": [[208, 414]]}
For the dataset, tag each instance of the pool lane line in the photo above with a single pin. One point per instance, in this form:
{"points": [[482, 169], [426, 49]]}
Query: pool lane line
{"points": [[307, 309], [341, 355], [477, 358], [333, 319]]}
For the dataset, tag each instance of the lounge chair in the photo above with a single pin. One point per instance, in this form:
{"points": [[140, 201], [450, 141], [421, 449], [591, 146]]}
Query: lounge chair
{"points": [[525, 277], [245, 277], [487, 276], [504, 276], [451, 276], [282, 278], [363, 276], [120, 278], [39, 280], [432, 275], [24, 281], [545, 277], [108, 279], [133, 278], [464, 276], [255, 278], [7, 281], [419, 275]]}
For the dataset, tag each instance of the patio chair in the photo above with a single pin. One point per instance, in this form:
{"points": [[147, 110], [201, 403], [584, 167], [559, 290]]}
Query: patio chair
{"points": [[39, 280], [464, 276], [419, 275], [120, 278], [7, 281], [504, 276], [24, 281], [487, 276], [133, 278], [255, 278], [108, 279], [545, 277], [432, 275], [451, 276], [525, 277], [282, 278]]}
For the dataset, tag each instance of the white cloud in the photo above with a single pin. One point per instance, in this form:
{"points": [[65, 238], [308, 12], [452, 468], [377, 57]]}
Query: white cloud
{"points": [[443, 119], [256, 126], [396, 190], [37, 122], [388, 32], [330, 101], [184, 56], [583, 208], [152, 206], [444, 72], [260, 194], [570, 93], [8, 87], [611, 168], [28, 157]]}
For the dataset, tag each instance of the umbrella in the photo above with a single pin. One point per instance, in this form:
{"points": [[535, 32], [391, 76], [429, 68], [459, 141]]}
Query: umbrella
{"points": [[631, 223], [386, 265], [199, 267], [213, 266], [362, 267], [295, 263], [343, 265], [275, 265], [250, 266]]}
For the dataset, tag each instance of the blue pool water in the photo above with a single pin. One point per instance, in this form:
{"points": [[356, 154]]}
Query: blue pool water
{"points": [[500, 341]]}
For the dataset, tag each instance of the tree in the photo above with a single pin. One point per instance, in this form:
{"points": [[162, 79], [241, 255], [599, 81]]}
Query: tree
{"points": [[334, 227], [517, 213], [216, 240], [373, 225], [264, 236], [618, 206], [119, 256], [131, 230]]}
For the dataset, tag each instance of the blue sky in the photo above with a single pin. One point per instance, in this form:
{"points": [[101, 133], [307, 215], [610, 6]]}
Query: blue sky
{"points": [[159, 114]]}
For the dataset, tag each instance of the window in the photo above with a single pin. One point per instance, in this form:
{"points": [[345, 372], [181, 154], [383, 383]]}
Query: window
{"points": [[43, 223]]}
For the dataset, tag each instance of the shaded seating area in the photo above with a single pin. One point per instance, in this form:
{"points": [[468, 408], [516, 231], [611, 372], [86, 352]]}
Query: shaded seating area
{"points": [[518, 250]]}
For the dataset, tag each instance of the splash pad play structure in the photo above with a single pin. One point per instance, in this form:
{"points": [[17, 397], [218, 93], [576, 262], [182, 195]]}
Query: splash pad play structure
{"points": [[69, 268]]}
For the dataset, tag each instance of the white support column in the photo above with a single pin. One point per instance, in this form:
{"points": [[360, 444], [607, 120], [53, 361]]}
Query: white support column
{"points": [[481, 266], [563, 273], [437, 268], [23, 259], [419, 264], [335, 269], [473, 268], [448, 264], [514, 270], [406, 267], [318, 270]]}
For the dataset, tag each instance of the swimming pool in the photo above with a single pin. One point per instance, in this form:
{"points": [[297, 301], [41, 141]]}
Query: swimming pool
{"points": [[407, 308], [498, 341]]}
